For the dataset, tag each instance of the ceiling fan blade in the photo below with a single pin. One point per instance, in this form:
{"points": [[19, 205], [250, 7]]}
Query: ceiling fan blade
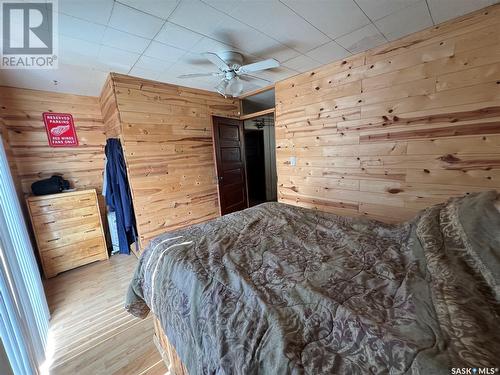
{"points": [[196, 75], [215, 59], [259, 65], [249, 77]]}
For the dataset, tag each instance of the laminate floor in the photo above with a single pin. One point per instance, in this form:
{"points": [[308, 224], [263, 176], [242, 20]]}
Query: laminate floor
{"points": [[91, 333]]}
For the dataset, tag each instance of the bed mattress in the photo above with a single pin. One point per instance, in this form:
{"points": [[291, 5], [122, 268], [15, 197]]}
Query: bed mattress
{"points": [[277, 289]]}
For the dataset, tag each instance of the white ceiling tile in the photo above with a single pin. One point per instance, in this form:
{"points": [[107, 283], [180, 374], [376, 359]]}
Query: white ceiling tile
{"points": [[80, 29], [116, 59], [301, 63], [125, 41], [208, 21], [225, 5], [95, 83], [334, 18], [328, 52], [135, 22], [97, 11], [144, 73], [381, 8], [82, 47], [158, 8], [405, 21], [197, 16], [362, 39], [211, 45], [78, 52], [81, 80], [249, 40], [69, 79], [443, 10], [152, 64], [29, 78], [178, 36], [163, 52], [277, 21]]}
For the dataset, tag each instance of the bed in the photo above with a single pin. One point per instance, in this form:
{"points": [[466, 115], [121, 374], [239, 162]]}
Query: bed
{"points": [[277, 289]]}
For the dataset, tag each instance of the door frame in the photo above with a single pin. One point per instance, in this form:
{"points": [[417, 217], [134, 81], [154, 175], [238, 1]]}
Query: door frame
{"points": [[216, 149], [216, 153]]}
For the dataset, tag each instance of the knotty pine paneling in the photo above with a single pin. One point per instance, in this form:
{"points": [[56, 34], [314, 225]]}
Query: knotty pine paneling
{"points": [[109, 110], [166, 133], [403, 126], [33, 159]]}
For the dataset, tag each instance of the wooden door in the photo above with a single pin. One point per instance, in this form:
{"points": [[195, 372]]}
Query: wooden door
{"points": [[230, 159]]}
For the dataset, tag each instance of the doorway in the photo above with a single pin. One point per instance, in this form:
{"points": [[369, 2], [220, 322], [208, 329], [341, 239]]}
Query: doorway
{"points": [[246, 162], [260, 159]]}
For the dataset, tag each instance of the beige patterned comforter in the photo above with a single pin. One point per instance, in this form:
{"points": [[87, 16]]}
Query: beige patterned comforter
{"points": [[277, 289]]}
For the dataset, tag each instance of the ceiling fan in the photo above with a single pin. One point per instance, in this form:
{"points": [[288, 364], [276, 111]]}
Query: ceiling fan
{"points": [[232, 71]]}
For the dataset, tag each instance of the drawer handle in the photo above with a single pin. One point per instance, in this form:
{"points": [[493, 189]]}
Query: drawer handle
{"points": [[54, 239], [84, 199], [90, 231], [50, 222], [87, 215], [47, 205]]}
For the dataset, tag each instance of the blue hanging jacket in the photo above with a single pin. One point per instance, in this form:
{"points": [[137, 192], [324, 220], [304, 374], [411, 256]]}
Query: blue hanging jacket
{"points": [[118, 197]]}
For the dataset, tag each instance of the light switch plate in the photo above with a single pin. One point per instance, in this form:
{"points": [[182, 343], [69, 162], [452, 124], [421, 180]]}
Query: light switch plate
{"points": [[293, 161]]}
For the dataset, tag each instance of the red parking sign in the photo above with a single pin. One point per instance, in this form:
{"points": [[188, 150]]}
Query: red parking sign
{"points": [[60, 129]]}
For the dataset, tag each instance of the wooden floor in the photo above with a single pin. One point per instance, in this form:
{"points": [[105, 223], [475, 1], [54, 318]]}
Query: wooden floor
{"points": [[91, 331]]}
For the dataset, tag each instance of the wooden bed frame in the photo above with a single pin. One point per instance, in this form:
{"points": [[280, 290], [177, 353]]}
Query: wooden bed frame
{"points": [[167, 351]]}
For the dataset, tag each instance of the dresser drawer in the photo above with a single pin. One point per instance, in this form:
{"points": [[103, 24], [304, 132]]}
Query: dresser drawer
{"points": [[68, 257], [62, 216], [63, 237], [65, 219], [62, 203]]}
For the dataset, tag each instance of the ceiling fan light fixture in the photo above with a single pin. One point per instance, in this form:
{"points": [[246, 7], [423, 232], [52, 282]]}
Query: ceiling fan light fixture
{"points": [[234, 87], [230, 65]]}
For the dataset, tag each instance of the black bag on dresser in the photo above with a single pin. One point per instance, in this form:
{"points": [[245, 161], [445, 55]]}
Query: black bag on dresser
{"points": [[52, 185]]}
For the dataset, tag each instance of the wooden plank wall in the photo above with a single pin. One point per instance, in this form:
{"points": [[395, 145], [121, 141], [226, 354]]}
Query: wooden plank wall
{"points": [[21, 113], [166, 133], [109, 109], [388, 132]]}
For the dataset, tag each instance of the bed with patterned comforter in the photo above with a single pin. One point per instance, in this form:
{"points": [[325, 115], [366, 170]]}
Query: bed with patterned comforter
{"points": [[277, 289]]}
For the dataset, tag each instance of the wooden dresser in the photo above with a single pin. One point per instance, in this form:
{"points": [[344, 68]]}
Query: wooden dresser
{"points": [[68, 230]]}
